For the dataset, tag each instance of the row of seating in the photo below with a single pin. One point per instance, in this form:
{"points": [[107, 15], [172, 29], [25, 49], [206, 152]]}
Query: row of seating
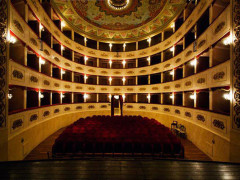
{"points": [[117, 134]]}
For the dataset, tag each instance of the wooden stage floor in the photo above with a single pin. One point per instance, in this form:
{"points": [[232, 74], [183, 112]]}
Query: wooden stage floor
{"points": [[41, 151]]}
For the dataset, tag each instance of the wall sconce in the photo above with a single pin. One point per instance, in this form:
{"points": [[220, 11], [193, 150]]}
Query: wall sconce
{"points": [[62, 48], [227, 96], [228, 40], [149, 58], [116, 97], [173, 25], [41, 27], [193, 96], [172, 72], [85, 96], [85, 77], [193, 62], [124, 62], [10, 96], [148, 96], [109, 96], [110, 79], [63, 24], [41, 95], [171, 96], [62, 71], [123, 79], [172, 49], [149, 40], [85, 58], [41, 61], [62, 95], [123, 96], [85, 39], [12, 39], [124, 45]]}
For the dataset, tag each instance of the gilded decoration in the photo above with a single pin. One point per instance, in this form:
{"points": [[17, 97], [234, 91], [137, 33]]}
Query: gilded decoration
{"points": [[118, 19]]}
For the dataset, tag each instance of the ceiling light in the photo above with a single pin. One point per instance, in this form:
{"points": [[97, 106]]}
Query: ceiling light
{"points": [[113, 6]]}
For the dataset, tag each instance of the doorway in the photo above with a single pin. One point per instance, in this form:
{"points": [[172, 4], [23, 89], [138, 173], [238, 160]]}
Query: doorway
{"points": [[116, 105]]}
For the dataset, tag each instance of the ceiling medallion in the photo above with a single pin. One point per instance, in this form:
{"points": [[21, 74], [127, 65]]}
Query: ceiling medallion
{"points": [[118, 4]]}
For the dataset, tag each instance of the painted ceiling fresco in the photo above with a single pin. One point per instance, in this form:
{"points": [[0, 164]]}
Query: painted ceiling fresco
{"points": [[118, 20]]}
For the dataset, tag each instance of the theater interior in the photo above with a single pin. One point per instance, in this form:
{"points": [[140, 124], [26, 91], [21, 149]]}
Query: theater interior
{"points": [[120, 89]]}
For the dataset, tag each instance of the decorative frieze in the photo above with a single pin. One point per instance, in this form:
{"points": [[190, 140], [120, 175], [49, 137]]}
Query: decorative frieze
{"points": [[17, 74], [218, 124], [17, 123]]}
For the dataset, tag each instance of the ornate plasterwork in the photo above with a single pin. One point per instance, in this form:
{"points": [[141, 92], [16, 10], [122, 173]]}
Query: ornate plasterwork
{"points": [[137, 21], [3, 61], [236, 64]]}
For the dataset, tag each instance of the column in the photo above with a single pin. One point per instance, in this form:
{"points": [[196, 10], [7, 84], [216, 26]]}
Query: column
{"points": [[161, 98], [210, 99], [184, 97], [97, 98], [211, 56], [184, 70], [195, 99], [149, 79], [98, 62], [51, 98]]}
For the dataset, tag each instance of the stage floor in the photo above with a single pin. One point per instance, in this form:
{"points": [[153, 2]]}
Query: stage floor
{"points": [[118, 169]]}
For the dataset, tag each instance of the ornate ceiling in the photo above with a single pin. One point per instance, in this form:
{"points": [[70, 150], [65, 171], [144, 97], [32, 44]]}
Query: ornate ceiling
{"points": [[118, 20]]}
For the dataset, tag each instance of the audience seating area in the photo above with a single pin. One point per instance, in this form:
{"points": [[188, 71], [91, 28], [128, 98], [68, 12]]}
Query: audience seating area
{"points": [[117, 135]]}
